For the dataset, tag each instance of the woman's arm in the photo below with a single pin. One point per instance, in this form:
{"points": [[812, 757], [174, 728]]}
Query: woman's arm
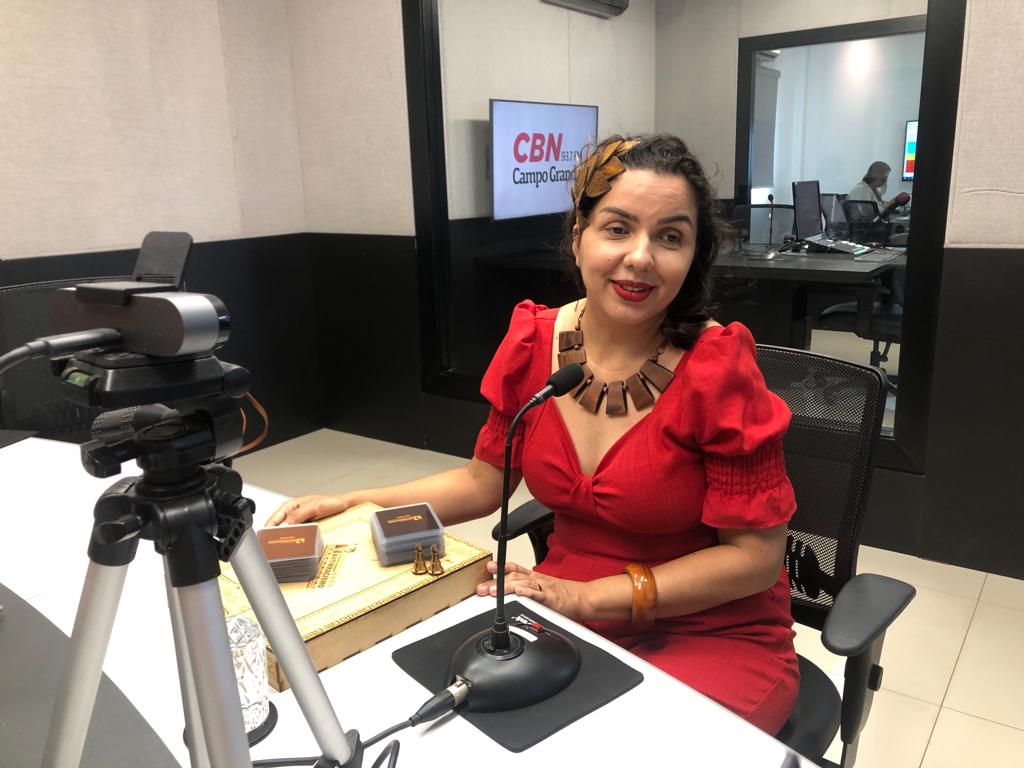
{"points": [[743, 563], [456, 495]]}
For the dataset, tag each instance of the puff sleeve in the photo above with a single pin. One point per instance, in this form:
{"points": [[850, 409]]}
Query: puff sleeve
{"points": [[506, 385], [739, 426]]}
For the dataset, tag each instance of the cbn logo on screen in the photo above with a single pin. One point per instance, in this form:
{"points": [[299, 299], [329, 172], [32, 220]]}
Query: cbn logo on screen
{"points": [[542, 148]]}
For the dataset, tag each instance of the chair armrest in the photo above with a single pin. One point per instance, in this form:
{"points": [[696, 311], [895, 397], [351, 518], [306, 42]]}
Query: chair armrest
{"points": [[864, 608], [523, 519]]}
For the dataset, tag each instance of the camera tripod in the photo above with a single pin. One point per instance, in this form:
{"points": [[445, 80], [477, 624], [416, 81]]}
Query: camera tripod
{"points": [[194, 513]]}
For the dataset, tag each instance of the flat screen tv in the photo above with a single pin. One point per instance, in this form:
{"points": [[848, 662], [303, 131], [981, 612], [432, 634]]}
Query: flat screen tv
{"points": [[534, 148], [909, 150]]}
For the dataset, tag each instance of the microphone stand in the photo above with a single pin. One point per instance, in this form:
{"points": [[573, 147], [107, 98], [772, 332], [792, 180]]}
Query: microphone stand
{"points": [[770, 254], [505, 671]]}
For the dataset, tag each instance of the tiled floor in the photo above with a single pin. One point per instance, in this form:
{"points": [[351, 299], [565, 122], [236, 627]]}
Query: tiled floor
{"points": [[953, 689]]}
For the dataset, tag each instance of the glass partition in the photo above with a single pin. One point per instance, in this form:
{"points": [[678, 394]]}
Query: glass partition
{"points": [[837, 113]]}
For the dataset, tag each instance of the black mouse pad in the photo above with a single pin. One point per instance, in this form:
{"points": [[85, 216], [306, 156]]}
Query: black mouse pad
{"points": [[601, 679]]}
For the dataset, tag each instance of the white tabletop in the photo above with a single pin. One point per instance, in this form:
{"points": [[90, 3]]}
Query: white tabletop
{"points": [[45, 488]]}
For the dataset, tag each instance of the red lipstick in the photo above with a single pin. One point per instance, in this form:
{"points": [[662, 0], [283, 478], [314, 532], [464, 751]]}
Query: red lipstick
{"points": [[632, 291]]}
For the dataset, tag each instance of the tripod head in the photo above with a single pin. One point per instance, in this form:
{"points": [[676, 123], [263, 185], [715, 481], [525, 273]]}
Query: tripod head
{"points": [[186, 406]]}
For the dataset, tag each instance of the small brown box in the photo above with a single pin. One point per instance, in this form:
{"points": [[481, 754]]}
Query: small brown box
{"points": [[287, 541]]}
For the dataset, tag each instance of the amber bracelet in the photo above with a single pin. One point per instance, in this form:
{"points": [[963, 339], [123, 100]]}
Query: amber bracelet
{"points": [[645, 595]]}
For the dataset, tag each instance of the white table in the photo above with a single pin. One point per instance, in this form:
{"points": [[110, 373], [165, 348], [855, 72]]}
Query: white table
{"points": [[660, 720]]}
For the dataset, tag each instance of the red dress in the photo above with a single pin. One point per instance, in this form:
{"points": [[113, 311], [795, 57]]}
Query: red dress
{"points": [[707, 455]]}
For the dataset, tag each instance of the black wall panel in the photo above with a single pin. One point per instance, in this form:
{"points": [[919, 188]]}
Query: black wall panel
{"points": [[895, 511], [266, 284], [974, 492], [367, 302]]}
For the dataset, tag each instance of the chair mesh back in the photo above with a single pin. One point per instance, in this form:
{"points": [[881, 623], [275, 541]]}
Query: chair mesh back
{"points": [[769, 224], [837, 416], [831, 205], [858, 211]]}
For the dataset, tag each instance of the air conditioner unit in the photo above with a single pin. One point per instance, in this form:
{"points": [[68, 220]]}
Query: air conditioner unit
{"points": [[604, 9]]}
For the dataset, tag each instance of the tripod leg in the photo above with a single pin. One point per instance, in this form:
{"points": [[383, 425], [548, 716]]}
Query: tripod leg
{"points": [[268, 603], [194, 737], [89, 640], [216, 688]]}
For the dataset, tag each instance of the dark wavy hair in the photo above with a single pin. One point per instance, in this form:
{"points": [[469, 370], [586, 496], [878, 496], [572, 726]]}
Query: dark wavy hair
{"points": [[669, 155]]}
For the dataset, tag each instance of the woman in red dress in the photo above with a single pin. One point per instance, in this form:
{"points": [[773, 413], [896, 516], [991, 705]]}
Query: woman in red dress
{"points": [[665, 469]]}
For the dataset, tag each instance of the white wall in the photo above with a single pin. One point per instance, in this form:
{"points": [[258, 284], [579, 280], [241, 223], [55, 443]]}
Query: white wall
{"points": [[986, 195], [349, 68], [229, 118], [115, 122], [841, 107], [697, 50], [263, 123], [526, 50]]}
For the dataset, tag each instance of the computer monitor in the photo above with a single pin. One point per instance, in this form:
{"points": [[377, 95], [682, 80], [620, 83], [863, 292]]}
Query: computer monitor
{"points": [[909, 150], [806, 209]]}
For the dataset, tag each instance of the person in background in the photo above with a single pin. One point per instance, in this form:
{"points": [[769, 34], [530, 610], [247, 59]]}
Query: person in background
{"points": [[872, 188], [665, 471]]}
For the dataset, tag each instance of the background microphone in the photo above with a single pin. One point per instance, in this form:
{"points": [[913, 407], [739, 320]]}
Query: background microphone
{"points": [[901, 199], [771, 217], [503, 671]]}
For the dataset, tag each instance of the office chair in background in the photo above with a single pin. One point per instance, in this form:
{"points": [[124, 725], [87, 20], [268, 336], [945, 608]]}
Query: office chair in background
{"points": [[835, 219], [837, 411], [863, 224], [877, 312], [763, 224], [876, 315]]}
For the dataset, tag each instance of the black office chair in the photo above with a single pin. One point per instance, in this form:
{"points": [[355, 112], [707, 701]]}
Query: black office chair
{"points": [[835, 219], [876, 315], [862, 222], [837, 411], [763, 224]]}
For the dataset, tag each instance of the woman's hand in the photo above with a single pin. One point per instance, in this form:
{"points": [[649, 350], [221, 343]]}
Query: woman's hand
{"points": [[569, 598], [307, 508]]}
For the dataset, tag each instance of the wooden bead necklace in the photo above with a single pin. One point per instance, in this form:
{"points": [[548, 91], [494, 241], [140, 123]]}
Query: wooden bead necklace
{"points": [[592, 391]]}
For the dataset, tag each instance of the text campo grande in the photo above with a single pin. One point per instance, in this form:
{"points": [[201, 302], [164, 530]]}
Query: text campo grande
{"points": [[537, 178]]}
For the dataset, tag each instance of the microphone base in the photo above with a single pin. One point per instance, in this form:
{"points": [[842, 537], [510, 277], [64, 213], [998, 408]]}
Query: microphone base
{"points": [[526, 673]]}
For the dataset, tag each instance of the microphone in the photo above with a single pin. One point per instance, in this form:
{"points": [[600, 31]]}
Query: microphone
{"points": [[562, 381], [771, 217], [503, 670], [901, 199]]}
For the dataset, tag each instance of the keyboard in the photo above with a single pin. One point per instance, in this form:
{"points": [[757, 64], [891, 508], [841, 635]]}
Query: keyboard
{"points": [[877, 256], [838, 246]]}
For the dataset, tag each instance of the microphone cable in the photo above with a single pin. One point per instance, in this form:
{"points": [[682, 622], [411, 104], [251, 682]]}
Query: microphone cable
{"points": [[438, 704], [55, 346]]}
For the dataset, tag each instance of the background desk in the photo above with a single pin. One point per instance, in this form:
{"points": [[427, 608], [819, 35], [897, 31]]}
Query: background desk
{"points": [[777, 310], [45, 486]]}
